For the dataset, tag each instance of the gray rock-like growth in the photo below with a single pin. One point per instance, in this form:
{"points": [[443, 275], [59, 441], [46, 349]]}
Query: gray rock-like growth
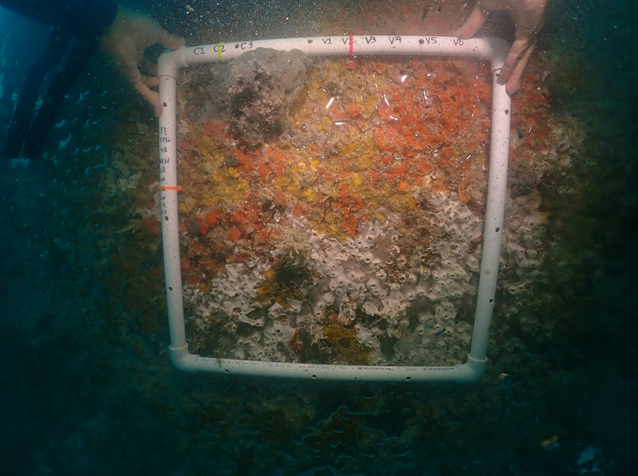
{"points": [[262, 85]]}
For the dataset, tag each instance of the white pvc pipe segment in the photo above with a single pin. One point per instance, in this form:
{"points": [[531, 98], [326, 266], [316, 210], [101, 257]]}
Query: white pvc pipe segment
{"points": [[492, 49]]}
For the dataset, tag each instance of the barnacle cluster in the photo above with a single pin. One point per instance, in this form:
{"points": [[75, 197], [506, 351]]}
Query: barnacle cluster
{"points": [[354, 235]]}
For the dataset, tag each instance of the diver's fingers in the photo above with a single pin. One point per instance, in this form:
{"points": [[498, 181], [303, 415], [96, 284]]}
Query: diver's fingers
{"points": [[151, 96], [169, 41], [472, 24], [150, 81], [149, 32], [516, 54], [141, 84], [148, 67], [515, 78]]}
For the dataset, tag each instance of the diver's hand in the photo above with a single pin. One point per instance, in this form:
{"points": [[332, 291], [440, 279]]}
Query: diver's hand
{"points": [[125, 40], [528, 16]]}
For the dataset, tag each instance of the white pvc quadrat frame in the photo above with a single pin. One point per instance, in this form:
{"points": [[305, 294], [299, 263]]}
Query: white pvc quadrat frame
{"points": [[492, 49]]}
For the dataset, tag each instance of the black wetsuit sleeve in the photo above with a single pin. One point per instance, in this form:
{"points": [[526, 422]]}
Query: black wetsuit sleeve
{"points": [[80, 18]]}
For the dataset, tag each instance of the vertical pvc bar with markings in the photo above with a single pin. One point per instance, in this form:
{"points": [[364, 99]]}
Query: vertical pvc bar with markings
{"points": [[491, 49]]}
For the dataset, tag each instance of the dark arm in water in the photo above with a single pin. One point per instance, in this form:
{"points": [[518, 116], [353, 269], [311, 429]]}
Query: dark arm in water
{"points": [[80, 18], [122, 33]]}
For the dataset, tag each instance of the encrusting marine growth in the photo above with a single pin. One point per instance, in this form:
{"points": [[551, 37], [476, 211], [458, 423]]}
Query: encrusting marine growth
{"points": [[333, 210]]}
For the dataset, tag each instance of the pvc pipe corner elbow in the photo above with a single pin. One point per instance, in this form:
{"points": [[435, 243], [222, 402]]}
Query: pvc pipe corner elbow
{"points": [[181, 359], [170, 62], [497, 51], [472, 370]]}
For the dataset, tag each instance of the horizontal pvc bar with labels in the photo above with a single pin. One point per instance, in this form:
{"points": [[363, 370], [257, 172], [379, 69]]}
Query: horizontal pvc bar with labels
{"points": [[493, 50]]}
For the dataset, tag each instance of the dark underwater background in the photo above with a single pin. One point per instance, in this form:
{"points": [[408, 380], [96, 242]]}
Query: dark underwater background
{"points": [[86, 385]]}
